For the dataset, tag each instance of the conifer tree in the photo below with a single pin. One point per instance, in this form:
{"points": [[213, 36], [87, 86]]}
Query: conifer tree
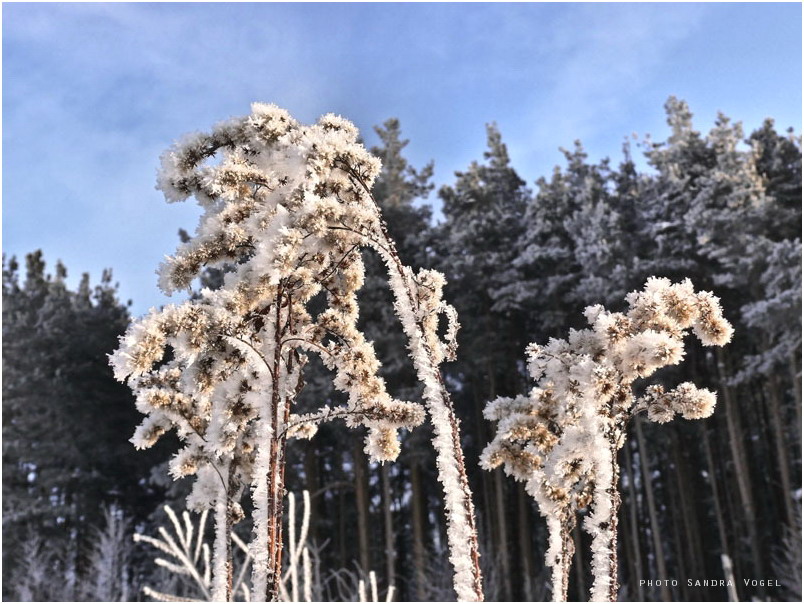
{"points": [[572, 249], [714, 219], [475, 248], [60, 463]]}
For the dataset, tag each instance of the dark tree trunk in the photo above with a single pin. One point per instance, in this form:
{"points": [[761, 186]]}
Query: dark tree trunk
{"points": [[362, 503]]}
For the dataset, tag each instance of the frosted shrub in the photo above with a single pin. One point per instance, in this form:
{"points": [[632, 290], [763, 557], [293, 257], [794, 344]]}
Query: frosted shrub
{"points": [[562, 439], [188, 557], [289, 207]]}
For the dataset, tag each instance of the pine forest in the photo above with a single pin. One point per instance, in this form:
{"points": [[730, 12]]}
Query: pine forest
{"points": [[368, 388]]}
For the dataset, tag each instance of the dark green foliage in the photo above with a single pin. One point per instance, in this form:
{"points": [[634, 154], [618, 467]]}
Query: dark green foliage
{"points": [[66, 421], [476, 250]]}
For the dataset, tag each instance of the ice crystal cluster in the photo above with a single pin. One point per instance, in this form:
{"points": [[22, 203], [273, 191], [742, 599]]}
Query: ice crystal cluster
{"points": [[562, 439], [287, 208]]}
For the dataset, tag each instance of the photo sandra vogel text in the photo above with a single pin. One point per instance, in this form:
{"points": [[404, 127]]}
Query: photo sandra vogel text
{"points": [[709, 582]]}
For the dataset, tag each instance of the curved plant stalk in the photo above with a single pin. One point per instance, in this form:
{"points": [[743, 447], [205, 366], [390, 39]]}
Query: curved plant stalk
{"points": [[418, 303]]}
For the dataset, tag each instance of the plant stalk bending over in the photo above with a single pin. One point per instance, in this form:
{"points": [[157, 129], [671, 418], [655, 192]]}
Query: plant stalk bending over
{"points": [[287, 208]]}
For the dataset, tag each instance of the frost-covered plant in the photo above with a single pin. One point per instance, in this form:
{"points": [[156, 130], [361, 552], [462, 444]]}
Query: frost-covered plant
{"points": [[562, 439], [49, 571], [110, 559], [786, 560], [361, 590], [33, 578], [346, 585], [188, 557], [289, 207], [187, 552]]}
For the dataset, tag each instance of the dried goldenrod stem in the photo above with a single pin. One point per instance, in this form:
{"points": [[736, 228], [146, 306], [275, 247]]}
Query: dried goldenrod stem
{"points": [[562, 439]]}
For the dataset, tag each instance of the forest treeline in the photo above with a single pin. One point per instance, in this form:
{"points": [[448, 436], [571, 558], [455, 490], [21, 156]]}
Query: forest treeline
{"points": [[708, 500]]}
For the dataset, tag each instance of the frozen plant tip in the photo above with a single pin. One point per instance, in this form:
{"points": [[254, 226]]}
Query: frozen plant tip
{"points": [[287, 208], [562, 439]]}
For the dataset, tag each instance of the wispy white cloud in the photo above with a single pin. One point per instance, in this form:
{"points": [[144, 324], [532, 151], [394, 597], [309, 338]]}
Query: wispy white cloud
{"points": [[94, 92]]}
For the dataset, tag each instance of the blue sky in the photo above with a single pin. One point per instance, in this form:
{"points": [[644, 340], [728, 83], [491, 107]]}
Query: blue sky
{"points": [[93, 93]]}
